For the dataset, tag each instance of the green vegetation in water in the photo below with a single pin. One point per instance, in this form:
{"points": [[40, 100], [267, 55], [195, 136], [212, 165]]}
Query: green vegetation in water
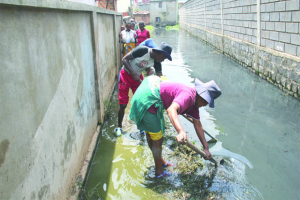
{"points": [[94, 192], [193, 184], [150, 29], [176, 27]]}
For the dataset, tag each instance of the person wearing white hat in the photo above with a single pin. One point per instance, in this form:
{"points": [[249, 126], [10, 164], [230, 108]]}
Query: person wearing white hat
{"points": [[153, 96]]}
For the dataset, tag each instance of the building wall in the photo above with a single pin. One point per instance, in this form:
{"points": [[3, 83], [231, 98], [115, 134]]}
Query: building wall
{"points": [[57, 68], [167, 12], [123, 5], [144, 7], [112, 4], [142, 17], [263, 35]]}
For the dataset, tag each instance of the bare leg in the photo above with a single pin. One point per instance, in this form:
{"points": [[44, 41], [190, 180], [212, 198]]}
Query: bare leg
{"points": [[150, 143], [121, 113], [149, 140], [156, 151]]}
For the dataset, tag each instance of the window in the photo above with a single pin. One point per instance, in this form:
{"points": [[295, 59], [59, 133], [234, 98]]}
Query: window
{"points": [[157, 19], [160, 4]]}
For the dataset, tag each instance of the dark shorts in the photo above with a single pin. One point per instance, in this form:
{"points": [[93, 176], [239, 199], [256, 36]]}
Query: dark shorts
{"points": [[150, 123]]}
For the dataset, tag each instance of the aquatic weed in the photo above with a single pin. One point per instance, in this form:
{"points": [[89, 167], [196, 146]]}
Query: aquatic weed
{"points": [[186, 181], [94, 192]]}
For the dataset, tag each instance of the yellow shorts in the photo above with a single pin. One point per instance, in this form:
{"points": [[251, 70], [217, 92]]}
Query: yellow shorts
{"points": [[155, 136]]}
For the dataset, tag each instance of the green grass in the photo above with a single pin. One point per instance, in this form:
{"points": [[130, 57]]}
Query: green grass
{"points": [[176, 27], [150, 29]]}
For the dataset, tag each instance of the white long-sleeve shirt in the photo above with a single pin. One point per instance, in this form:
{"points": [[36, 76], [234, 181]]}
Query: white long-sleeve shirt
{"points": [[128, 36]]}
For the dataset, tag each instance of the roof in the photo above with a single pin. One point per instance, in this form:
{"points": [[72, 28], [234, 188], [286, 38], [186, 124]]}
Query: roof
{"points": [[141, 12]]}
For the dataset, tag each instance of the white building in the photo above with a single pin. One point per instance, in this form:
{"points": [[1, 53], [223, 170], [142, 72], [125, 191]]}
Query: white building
{"points": [[163, 12]]}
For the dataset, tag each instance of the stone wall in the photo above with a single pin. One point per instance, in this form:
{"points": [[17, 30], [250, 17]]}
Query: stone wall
{"points": [[262, 35], [59, 61]]}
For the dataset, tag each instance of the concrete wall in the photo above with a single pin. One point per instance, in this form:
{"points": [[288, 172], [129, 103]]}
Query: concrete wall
{"points": [[167, 12], [263, 35], [144, 7], [59, 60]]}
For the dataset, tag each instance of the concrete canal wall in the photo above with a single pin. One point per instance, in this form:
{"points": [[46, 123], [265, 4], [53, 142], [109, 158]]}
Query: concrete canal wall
{"points": [[263, 35], [59, 61]]}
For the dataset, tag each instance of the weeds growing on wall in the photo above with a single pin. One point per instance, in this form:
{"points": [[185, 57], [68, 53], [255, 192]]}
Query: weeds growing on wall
{"points": [[107, 107]]}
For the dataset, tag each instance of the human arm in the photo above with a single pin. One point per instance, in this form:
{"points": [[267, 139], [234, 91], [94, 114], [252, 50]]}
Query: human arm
{"points": [[135, 53], [121, 37], [200, 133], [148, 34], [157, 67], [135, 35], [173, 115], [128, 67]]}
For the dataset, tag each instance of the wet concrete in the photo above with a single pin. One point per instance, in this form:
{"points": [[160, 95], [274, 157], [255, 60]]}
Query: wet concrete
{"points": [[256, 125]]}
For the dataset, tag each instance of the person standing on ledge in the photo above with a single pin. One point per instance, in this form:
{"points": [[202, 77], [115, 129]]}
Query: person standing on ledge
{"points": [[153, 96], [134, 63]]}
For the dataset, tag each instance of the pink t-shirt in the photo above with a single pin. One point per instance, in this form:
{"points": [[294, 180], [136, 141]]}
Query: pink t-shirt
{"points": [[181, 94], [142, 36]]}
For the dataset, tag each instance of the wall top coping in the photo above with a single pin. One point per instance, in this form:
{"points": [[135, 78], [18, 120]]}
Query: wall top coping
{"points": [[58, 4]]}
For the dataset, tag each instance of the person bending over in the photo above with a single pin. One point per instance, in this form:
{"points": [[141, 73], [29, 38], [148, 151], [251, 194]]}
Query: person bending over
{"points": [[153, 96], [131, 76]]}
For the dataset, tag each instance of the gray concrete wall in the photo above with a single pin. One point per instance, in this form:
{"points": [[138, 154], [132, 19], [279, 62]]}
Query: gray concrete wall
{"points": [[59, 60], [167, 12], [263, 35], [144, 7]]}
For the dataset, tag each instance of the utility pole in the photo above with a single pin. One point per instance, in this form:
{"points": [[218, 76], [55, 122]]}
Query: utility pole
{"points": [[131, 11]]}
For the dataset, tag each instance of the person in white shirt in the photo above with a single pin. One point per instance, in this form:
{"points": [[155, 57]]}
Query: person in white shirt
{"points": [[128, 38]]}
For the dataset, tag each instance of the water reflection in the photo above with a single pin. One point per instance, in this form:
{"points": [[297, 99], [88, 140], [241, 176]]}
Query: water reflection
{"points": [[256, 123]]}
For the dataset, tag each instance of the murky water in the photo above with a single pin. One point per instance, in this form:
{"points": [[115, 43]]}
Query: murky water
{"points": [[256, 124]]}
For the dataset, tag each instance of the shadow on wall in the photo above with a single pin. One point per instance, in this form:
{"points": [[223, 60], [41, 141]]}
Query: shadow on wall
{"points": [[4, 145], [99, 176]]}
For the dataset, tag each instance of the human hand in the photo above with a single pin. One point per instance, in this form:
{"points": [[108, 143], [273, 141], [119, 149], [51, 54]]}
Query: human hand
{"points": [[136, 77], [208, 154], [181, 137]]}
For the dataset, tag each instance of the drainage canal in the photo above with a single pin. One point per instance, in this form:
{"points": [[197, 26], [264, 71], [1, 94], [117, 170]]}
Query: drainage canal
{"points": [[256, 125]]}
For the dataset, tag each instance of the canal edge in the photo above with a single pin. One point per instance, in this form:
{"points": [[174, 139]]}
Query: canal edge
{"points": [[88, 160]]}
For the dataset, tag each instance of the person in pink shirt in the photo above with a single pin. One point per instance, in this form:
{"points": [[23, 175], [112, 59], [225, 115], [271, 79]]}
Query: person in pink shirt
{"points": [[142, 33], [153, 96]]}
